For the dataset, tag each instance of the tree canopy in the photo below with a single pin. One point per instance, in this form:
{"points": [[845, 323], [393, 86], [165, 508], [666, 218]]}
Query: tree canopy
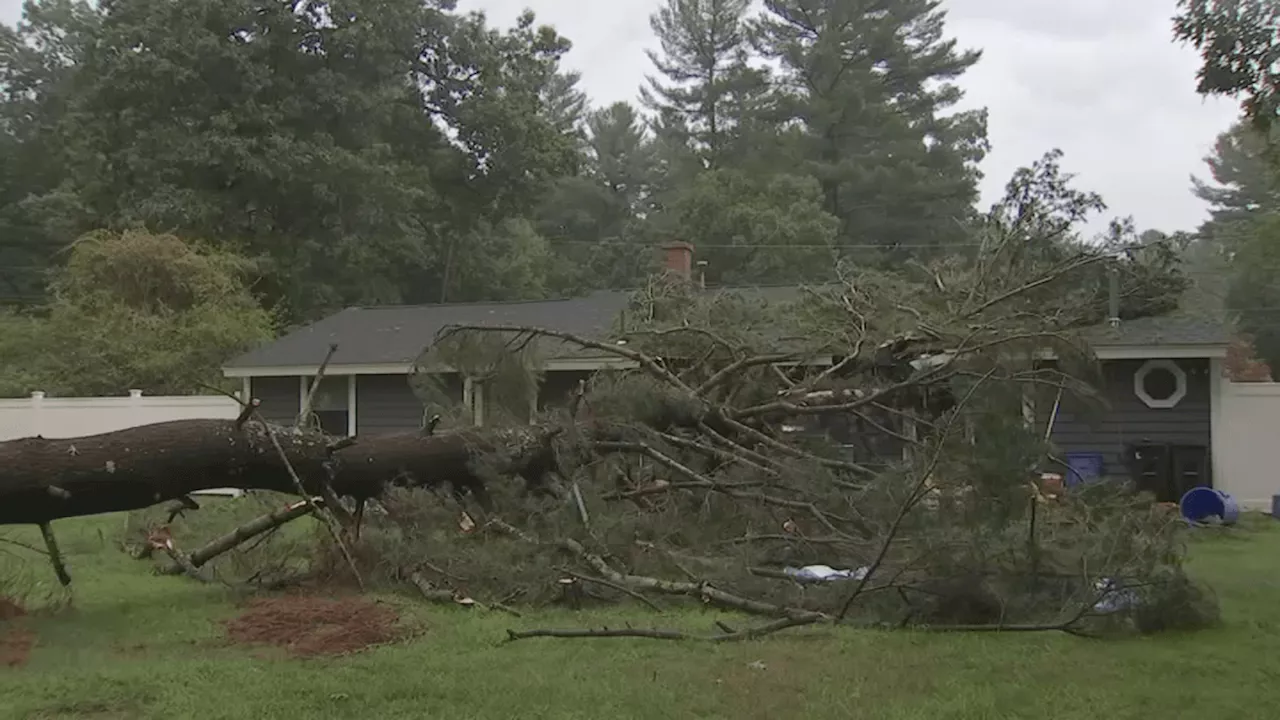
{"points": [[401, 151], [1241, 237], [1239, 45], [133, 310]]}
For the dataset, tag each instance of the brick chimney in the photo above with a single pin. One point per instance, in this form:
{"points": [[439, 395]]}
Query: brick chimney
{"points": [[677, 259]]}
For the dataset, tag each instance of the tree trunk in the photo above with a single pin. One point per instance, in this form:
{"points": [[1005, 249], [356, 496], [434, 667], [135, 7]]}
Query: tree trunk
{"points": [[43, 479]]}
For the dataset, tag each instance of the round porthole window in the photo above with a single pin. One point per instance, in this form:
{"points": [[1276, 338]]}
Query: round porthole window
{"points": [[1160, 384]]}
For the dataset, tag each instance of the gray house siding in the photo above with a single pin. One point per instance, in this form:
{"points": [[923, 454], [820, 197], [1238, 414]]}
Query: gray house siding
{"points": [[558, 387], [279, 397], [386, 404], [1080, 428]]}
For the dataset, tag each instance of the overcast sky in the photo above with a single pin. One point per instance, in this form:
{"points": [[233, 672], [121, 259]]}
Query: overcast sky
{"points": [[1100, 79]]}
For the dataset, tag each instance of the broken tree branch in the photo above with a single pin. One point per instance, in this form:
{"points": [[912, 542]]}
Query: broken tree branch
{"points": [[330, 521], [253, 528], [55, 556], [651, 365], [304, 412], [913, 499], [656, 634]]}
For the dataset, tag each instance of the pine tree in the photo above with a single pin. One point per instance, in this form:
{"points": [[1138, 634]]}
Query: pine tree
{"points": [[565, 105], [596, 219], [1244, 183], [871, 83], [704, 61]]}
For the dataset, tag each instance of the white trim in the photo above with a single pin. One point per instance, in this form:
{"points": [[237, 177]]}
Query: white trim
{"points": [[1148, 352], [303, 387], [351, 405], [561, 365], [1179, 378], [1218, 383], [1115, 352], [1145, 352], [246, 390]]}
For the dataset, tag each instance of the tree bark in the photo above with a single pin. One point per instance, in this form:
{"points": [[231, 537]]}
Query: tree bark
{"points": [[43, 479]]}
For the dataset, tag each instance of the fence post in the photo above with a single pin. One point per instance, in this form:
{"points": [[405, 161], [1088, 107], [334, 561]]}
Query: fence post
{"points": [[37, 414]]}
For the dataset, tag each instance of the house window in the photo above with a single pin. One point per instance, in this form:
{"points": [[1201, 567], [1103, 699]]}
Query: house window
{"points": [[330, 406], [1160, 384]]}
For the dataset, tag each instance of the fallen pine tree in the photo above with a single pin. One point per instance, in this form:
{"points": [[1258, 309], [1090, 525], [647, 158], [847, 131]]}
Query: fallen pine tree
{"points": [[712, 472]]}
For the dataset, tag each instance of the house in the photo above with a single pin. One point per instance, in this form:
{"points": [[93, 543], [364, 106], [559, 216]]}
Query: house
{"points": [[366, 388], [1162, 380], [1162, 377]]}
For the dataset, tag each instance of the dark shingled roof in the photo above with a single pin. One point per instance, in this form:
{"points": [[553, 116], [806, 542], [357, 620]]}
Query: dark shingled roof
{"points": [[398, 334], [1168, 330], [1200, 319]]}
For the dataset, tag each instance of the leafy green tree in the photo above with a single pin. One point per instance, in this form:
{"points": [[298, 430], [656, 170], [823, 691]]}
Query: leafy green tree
{"points": [[345, 146], [1039, 220], [754, 231], [1239, 45], [134, 310], [38, 59]]}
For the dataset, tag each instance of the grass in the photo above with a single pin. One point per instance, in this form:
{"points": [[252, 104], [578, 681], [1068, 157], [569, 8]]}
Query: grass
{"points": [[133, 645]]}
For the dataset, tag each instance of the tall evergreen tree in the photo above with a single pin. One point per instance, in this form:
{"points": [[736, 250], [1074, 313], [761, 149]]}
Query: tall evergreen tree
{"points": [[871, 83], [1243, 232], [704, 73], [596, 219], [1243, 184]]}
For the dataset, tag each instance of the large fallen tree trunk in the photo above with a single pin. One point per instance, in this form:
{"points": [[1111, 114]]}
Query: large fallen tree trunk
{"points": [[45, 479], [464, 460]]}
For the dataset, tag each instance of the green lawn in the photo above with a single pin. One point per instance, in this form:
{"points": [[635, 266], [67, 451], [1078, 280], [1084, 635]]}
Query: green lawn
{"points": [[138, 646]]}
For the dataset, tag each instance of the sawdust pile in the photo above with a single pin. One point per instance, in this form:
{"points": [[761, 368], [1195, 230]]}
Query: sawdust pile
{"points": [[15, 641], [308, 626]]}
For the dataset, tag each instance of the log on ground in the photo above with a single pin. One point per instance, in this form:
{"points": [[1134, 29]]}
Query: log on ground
{"points": [[461, 459], [45, 479]]}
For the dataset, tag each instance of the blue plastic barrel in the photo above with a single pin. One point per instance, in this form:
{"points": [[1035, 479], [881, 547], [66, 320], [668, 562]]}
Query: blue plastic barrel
{"points": [[1203, 503], [1083, 467]]}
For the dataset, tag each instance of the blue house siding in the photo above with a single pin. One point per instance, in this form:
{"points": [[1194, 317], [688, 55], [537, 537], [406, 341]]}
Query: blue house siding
{"points": [[1080, 428]]}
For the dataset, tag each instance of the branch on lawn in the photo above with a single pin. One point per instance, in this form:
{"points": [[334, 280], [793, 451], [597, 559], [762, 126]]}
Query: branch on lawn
{"points": [[656, 634]]}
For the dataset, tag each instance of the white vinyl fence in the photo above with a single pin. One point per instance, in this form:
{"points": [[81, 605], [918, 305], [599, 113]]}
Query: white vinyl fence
{"points": [[73, 417], [1248, 442]]}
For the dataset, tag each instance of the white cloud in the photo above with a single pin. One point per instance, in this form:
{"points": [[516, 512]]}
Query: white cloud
{"points": [[1101, 79]]}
